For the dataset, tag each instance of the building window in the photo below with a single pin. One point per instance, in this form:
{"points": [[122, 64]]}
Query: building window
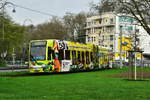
{"points": [[88, 23], [106, 20], [103, 37], [94, 39], [111, 21], [99, 42], [88, 39], [111, 37], [100, 21], [111, 46]]}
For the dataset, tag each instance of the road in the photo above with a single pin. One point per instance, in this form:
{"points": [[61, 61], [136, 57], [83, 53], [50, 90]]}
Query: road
{"points": [[12, 70]]}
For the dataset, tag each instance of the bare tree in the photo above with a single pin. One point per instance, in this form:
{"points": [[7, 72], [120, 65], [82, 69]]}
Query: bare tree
{"points": [[75, 24], [54, 29], [103, 6], [139, 9]]}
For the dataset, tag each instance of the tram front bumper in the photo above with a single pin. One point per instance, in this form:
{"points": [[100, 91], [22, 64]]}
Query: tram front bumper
{"points": [[35, 69]]}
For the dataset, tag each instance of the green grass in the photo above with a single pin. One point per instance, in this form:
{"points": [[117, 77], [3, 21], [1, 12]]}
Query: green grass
{"points": [[96, 85]]}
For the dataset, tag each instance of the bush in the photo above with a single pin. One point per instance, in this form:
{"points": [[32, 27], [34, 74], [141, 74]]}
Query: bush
{"points": [[2, 63]]}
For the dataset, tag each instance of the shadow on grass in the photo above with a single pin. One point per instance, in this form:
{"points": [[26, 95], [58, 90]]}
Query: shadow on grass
{"points": [[138, 80], [48, 73]]}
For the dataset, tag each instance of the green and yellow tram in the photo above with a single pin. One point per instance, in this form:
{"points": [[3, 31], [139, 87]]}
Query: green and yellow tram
{"points": [[64, 56]]}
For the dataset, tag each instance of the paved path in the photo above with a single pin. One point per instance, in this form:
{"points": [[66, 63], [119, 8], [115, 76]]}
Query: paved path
{"points": [[14, 70]]}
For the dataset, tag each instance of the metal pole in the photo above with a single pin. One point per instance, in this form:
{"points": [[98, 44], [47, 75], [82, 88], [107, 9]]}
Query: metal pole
{"points": [[135, 75], [3, 30], [142, 65], [3, 26], [13, 58], [120, 46]]}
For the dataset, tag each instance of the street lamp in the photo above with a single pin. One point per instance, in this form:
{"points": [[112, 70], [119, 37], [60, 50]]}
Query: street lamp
{"points": [[27, 20], [25, 39]]}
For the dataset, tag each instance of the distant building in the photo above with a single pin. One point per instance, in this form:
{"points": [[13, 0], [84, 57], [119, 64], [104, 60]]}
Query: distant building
{"points": [[144, 41]]}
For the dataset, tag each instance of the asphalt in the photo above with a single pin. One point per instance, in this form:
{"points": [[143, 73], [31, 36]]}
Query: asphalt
{"points": [[13, 69]]}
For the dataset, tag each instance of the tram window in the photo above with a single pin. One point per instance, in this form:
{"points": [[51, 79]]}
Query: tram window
{"points": [[87, 58], [74, 54], [61, 55], [91, 56], [83, 57], [50, 52], [79, 56], [74, 57], [67, 54]]}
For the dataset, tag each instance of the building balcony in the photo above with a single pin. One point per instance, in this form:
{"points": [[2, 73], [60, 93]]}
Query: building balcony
{"points": [[99, 25]]}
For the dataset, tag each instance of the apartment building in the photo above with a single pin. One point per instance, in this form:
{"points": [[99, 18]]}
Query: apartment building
{"points": [[108, 29]]}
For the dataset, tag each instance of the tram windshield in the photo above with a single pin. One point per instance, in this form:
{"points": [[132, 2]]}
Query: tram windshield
{"points": [[38, 52]]}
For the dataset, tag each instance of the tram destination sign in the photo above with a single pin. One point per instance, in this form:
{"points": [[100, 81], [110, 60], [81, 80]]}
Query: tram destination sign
{"points": [[38, 43]]}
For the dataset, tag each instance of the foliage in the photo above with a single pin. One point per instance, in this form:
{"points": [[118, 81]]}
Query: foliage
{"points": [[70, 27], [13, 34]]}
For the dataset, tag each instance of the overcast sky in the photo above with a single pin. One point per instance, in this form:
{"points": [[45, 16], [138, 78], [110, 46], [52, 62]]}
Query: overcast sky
{"points": [[53, 7]]}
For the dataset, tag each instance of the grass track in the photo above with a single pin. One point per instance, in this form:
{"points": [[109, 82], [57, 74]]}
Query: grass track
{"points": [[74, 86]]}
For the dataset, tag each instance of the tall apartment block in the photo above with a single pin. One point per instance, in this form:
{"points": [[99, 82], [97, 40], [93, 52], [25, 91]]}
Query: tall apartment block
{"points": [[108, 29]]}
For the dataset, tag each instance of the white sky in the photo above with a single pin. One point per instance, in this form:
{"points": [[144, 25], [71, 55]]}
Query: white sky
{"points": [[54, 7]]}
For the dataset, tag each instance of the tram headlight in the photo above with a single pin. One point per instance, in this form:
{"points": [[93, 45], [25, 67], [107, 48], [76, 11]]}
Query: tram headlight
{"points": [[43, 65]]}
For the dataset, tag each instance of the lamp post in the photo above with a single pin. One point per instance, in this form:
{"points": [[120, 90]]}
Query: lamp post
{"points": [[121, 46], [26, 20], [29, 20], [25, 40]]}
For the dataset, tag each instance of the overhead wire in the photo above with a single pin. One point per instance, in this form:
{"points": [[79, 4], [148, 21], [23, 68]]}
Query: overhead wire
{"points": [[36, 11]]}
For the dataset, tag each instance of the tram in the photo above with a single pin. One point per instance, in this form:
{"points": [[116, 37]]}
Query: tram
{"points": [[64, 56]]}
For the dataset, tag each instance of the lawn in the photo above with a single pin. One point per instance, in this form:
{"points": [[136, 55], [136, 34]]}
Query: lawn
{"points": [[98, 85]]}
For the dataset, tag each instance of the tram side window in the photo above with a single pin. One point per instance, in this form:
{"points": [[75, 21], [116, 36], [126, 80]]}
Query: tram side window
{"points": [[61, 55], [91, 56], [79, 56], [74, 57], [67, 54], [87, 58], [83, 57]]}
